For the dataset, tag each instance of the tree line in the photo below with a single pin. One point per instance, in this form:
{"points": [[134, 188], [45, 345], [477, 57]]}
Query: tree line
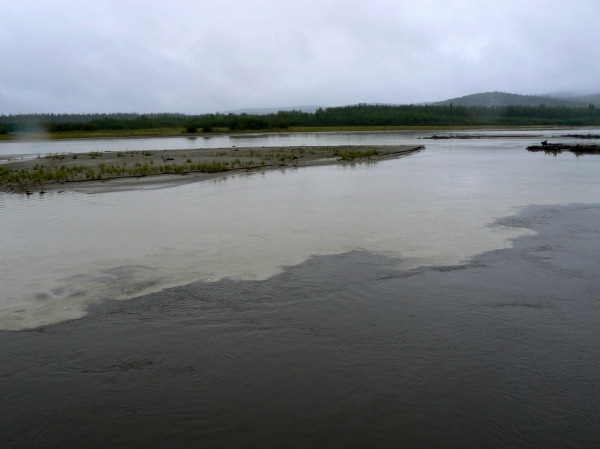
{"points": [[357, 115]]}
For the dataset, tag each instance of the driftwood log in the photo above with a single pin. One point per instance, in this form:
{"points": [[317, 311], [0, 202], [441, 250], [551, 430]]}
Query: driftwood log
{"points": [[557, 148]]}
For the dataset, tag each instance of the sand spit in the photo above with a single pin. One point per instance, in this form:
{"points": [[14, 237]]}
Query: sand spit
{"points": [[123, 170]]}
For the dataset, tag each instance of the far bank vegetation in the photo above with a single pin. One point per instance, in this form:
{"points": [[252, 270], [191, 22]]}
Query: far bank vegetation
{"points": [[361, 115]]}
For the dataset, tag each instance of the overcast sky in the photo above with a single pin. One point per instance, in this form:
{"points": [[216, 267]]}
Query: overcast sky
{"points": [[207, 56]]}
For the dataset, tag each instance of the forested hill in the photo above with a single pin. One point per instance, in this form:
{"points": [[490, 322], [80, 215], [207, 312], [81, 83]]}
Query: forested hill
{"points": [[506, 99], [593, 99], [355, 116]]}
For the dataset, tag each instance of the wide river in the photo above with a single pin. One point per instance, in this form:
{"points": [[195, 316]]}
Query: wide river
{"points": [[450, 298]]}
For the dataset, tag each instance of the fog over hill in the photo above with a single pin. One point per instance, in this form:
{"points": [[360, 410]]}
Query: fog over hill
{"points": [[506, 99], [593, 98]]}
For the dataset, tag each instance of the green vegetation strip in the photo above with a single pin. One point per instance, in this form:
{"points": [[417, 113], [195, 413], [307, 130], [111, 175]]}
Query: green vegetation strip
{"points": [[61, 168], [360, 116], [41, 173], [351, 155]]}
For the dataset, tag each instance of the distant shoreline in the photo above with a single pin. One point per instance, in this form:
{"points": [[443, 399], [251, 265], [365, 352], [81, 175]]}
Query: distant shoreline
{"points": [[177, 132]]}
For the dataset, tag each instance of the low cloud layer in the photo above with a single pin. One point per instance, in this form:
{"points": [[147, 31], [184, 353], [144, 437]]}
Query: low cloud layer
{"points": [[201, 56]]}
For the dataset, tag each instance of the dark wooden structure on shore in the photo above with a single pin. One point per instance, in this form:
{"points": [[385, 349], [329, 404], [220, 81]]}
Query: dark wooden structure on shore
{"points": [[557, 148]]}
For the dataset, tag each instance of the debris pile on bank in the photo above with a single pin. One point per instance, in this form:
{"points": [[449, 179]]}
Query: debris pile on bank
{"points": [[557, 148]]}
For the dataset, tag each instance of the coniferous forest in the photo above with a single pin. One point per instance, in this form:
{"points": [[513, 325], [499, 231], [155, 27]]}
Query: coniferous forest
{"points": [[361, 115]]}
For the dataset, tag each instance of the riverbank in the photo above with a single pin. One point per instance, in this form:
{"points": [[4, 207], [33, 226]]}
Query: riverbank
{"points": [[123, 170], [180, 132]]}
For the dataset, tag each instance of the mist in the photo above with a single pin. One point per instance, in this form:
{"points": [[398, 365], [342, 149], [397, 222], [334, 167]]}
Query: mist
{"points": [[196, 57]]}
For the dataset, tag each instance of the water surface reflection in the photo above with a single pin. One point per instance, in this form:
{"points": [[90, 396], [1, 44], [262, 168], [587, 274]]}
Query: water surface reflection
{"points": [[63, 252]]}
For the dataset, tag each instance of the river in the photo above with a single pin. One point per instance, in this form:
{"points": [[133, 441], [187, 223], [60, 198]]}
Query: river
{"points": [[447, 298]]}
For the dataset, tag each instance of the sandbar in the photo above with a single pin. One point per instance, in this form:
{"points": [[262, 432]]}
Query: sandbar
{"points": [[97, 172]]}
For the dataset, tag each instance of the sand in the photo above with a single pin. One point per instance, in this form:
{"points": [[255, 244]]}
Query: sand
{"points": [[109, 171]]}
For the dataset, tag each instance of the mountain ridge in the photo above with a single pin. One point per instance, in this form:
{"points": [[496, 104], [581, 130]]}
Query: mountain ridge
{"points": [[502, 99]]}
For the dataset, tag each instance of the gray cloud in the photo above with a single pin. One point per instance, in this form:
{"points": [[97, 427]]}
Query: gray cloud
{"points": [[201, 56]]}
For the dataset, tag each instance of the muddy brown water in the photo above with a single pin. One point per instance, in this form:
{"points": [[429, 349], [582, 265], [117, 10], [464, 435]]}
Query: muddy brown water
{"points": [[459, 309], [339, 351]]}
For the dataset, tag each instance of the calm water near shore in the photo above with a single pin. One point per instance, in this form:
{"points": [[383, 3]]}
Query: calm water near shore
{"points": [[450, 298], [33, 148]]}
